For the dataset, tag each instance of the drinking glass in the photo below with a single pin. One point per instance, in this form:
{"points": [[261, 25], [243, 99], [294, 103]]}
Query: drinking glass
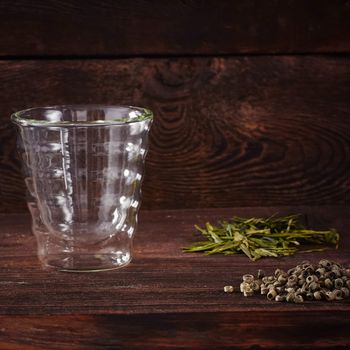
{"points": [[83, 168]]}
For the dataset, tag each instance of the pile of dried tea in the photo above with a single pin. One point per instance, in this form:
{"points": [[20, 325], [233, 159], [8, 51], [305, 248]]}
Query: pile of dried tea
{"points": [[326, 280], [259, 237]]}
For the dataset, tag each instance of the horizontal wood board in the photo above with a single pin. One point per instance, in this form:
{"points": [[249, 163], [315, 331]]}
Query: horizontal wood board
{"points": [[165, 298], [243, 131], [205, 331], [178, 27]]}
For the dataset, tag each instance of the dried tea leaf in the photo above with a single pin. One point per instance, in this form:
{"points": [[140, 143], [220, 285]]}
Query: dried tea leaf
{"points": [[259, 237]]}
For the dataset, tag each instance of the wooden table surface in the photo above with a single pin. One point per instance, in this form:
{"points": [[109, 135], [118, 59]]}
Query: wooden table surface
{"points": [[165, 299]]}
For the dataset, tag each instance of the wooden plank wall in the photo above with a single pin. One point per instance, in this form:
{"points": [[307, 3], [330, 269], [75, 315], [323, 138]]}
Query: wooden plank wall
{"points": [[251, 98]]}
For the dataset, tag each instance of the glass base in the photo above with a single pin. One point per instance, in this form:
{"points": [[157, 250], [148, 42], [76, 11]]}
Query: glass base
{"points": [[69, 262]]}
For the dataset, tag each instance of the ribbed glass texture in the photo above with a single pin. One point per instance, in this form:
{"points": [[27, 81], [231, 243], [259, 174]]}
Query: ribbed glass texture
{"points": [[83, 168]]}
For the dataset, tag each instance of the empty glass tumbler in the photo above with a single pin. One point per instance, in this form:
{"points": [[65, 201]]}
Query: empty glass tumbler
{"points": [[83, 168]]}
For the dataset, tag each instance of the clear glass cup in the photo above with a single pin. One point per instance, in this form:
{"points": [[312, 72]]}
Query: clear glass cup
{"points": [[83, 168]]}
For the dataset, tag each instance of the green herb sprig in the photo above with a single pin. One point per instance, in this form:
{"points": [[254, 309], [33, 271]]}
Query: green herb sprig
{"points": [[259, 237]]}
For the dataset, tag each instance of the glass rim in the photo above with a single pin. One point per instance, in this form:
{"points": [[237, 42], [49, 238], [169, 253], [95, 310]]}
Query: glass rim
{"points": [[18, 117]]}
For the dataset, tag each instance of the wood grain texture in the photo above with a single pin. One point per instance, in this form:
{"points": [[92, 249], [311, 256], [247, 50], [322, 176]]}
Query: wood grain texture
{"points": [[157, 27], [178, 331], [164, 299], [227, 132]]}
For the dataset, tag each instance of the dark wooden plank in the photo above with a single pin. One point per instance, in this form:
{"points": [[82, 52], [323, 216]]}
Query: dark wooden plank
{"points": [[164, 299], [161, 278], [227, 132], [242, 330], [157, 27]]}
